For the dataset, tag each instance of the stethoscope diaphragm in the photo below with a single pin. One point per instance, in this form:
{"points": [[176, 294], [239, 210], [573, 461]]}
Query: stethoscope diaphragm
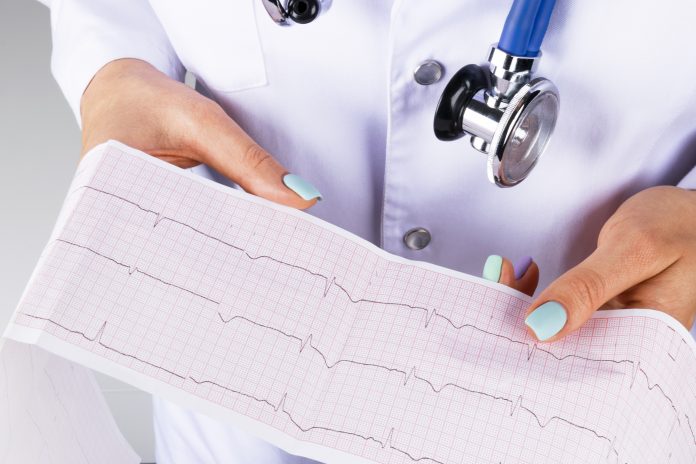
{"points": [[524, 131]]}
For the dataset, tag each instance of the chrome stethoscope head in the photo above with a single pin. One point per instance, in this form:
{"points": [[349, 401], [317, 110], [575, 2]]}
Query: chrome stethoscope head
{"points": [[508, 115]]}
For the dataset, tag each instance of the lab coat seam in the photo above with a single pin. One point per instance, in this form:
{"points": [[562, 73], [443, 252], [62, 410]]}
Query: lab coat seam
{"points": [[259, 40], [388, 145]]}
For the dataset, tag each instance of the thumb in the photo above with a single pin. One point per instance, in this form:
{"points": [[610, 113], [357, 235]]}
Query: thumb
{"points": [[225, 147], [570, 301]]}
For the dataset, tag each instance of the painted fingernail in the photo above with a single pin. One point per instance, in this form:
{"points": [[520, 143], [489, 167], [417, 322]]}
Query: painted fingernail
{"points": [[547, 320], [301, 187], [492, 268], [521, 266]]}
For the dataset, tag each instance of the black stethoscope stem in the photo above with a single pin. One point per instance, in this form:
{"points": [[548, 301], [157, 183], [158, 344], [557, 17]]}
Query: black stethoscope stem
{"points": [[458, 93]]}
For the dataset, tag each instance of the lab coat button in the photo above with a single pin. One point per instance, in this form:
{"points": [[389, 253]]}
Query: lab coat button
{"points": [[428, 72], [417, 239]]}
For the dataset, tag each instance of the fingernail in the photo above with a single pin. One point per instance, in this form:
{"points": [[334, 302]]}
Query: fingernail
{"points": [[492, 268], [547, 320], [301, 187], [521, 266]]}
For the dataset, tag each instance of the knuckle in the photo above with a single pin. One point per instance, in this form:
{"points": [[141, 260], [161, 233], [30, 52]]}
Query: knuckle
{"points": [[199, 109], [254, 156], [642, 243], [191, 117], [649, 244], [588, 288], [619, 225]]}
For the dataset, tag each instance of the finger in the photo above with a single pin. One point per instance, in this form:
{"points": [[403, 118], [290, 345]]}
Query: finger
{"points": [[507, 273], [228, 149], [529, 280], [572, 299], [493, 268], [523, 277], [521, 266]]}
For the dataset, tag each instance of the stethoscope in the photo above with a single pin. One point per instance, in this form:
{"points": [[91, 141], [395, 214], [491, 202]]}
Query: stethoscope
{"points": [[508, 114], [294, 11]]}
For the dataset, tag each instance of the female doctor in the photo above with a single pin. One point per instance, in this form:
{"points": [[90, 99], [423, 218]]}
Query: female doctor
{"points": [[345, 103]]}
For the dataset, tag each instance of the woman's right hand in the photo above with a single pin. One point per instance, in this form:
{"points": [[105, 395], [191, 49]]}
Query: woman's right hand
{"points": [[130, 101]]}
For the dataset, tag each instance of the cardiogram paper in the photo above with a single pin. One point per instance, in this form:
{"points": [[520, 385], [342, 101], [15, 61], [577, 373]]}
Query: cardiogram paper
{"points": [[332, 348]]}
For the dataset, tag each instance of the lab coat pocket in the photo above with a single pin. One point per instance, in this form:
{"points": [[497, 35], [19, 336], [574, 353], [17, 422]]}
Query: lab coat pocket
{"points": [[217, 40]]}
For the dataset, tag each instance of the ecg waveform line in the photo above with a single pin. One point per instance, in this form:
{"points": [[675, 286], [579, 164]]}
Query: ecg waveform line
{"points": [[514, 404], [97, 338], [693, 434], [329, 282], [407, 375], [430, 313], [634, 372]]}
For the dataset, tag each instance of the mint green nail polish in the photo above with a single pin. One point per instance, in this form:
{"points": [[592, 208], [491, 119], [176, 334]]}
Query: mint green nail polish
{"points": [[547, 320], [301, 187], [492, 268]]}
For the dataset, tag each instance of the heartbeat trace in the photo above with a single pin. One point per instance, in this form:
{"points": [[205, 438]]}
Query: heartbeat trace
{"points": [[429, 314], [307, 342], [412, 374], [388, 442], [276, 407]]}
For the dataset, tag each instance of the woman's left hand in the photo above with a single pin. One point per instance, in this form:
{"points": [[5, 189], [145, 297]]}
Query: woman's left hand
{"points": [[645, 258]]}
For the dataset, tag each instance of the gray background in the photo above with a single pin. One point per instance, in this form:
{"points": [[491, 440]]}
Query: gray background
{"points": [[40, 146]]}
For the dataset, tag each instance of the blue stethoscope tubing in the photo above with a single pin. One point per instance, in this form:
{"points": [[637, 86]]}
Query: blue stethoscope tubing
{"points": [[525, 27]]}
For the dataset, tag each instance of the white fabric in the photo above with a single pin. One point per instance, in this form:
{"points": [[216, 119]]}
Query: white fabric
{"points": [[187, 437], [87, 34], [340, 107], [689, 181]]}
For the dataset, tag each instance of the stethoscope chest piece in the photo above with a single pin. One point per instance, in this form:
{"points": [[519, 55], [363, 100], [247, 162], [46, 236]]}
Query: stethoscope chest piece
{"points": [[294, 11], [508, 115]]}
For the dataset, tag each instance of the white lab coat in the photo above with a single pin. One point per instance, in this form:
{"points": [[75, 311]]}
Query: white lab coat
{"points": [[335, 101]]}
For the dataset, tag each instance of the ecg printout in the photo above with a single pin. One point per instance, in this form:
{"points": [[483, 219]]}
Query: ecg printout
{"points": [[332, 348]]}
